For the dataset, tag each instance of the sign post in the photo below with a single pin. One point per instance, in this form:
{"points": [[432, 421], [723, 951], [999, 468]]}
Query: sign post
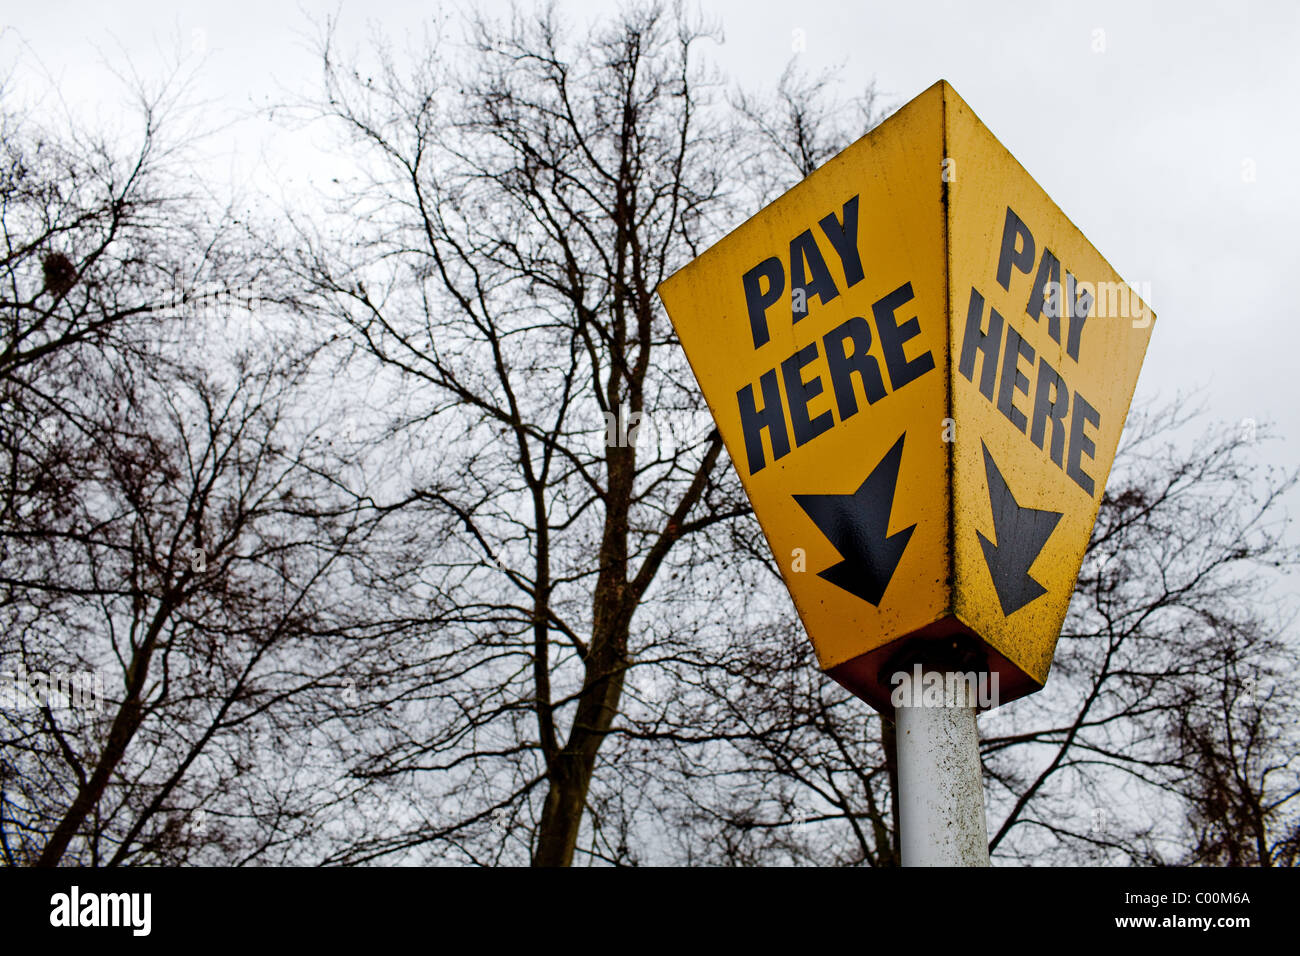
{"points": [[940, 783], [920, 369]]}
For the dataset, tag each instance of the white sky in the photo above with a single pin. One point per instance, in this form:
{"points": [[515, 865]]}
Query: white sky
{"points": [[1142, 145]]}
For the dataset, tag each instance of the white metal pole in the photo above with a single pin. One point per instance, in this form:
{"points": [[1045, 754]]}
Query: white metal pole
{"points": [[940, 785]]}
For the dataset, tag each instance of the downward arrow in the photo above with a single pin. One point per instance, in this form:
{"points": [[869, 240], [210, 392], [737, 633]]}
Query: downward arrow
{"points": [[858, 526], [1021, 534]]}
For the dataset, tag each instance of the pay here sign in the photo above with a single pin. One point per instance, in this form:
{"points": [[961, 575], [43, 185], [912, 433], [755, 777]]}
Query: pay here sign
{"points": [[921, 370]]}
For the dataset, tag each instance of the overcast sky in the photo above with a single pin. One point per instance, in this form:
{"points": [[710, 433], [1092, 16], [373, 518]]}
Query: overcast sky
{"points": [[1166, 132]]}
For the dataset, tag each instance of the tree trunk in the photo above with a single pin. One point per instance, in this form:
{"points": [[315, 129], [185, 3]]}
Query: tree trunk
{"points": [[571, 770], [557, 835], [125, 724]]}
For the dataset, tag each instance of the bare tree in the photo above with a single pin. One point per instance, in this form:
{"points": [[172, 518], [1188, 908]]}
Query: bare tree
{"points": [[1233, 744], [195, 563], [518, 216], [173, 524], [100, 239], [802, 124]]}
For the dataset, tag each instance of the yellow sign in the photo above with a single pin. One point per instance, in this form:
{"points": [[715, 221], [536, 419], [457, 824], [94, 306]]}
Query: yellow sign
{"points": [[921, 370]]}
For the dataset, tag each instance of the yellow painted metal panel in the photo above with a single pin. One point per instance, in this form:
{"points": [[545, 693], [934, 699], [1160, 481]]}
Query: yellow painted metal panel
{"points": [[899, 302], [1038, 426]]}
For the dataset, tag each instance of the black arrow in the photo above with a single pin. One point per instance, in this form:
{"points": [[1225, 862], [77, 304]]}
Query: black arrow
{"points": [[858, 526], [1021, 533]]}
